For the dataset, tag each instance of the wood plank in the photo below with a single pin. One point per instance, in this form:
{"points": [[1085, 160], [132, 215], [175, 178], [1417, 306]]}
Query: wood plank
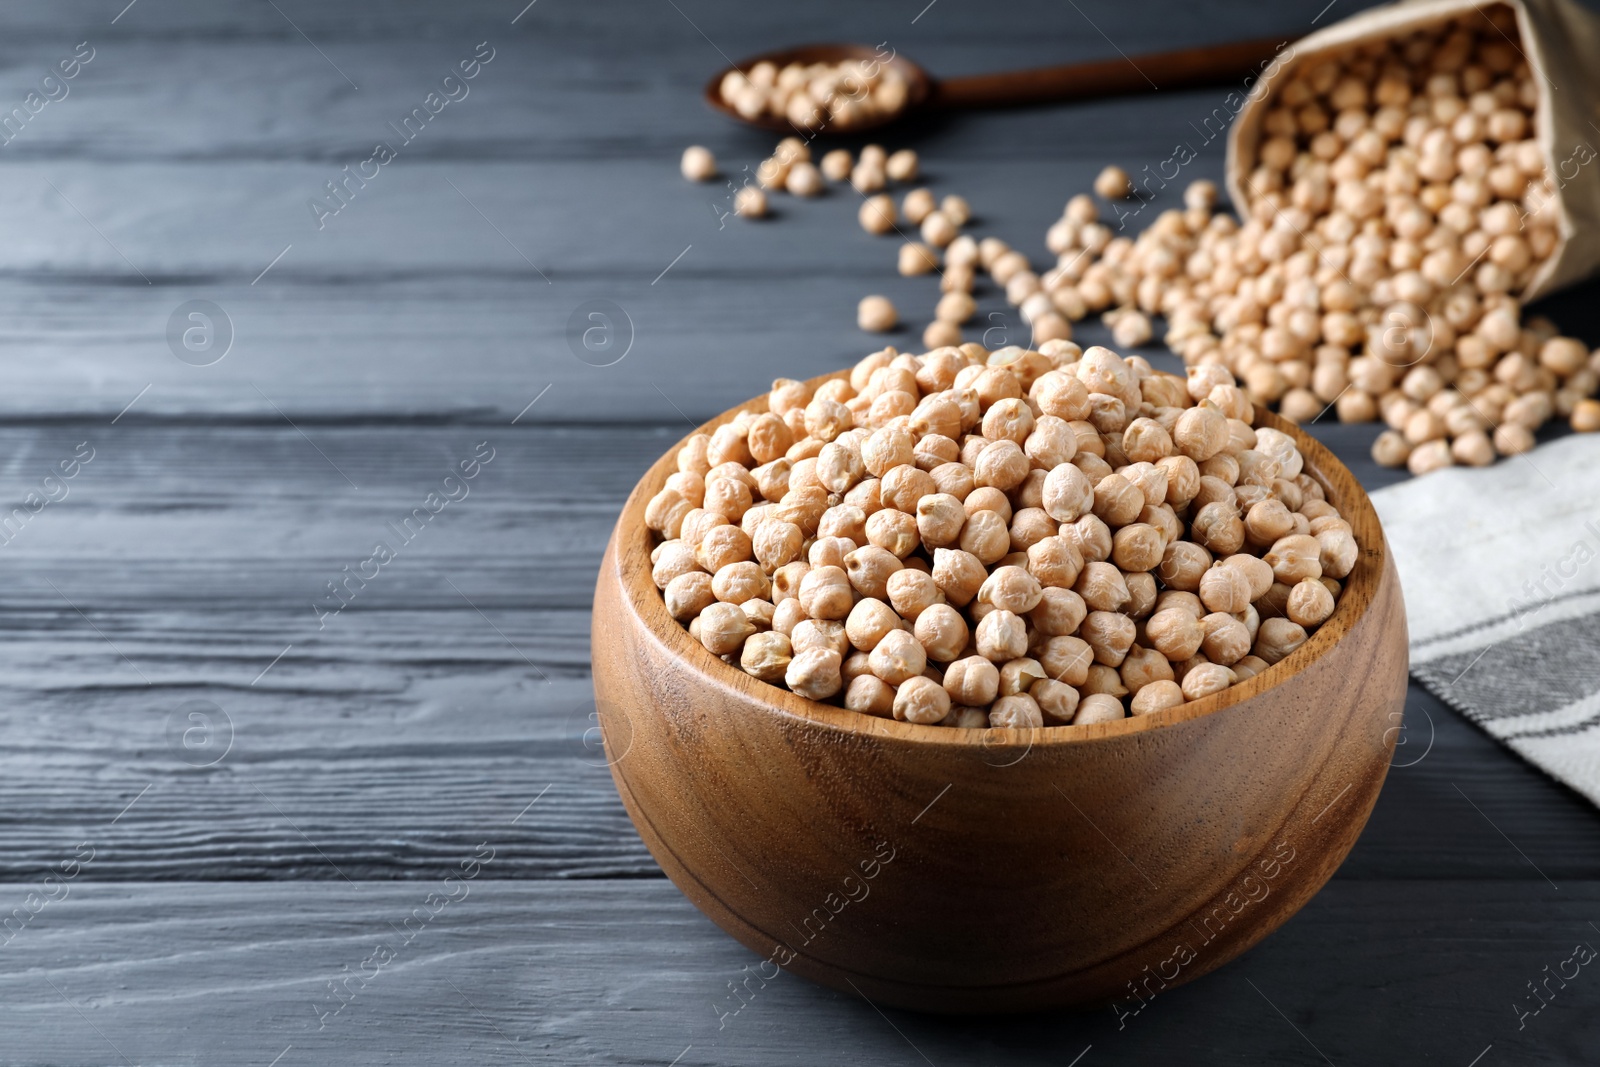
{"points": [[566, 59], [629, 973], [385, 739]]}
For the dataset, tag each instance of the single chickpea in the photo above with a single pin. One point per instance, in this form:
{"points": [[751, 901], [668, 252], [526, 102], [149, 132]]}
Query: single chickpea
{"points": [[825, 593], [1110, 634], [1206, 678], [958, 574], [1102, 587], [958, 211], [876, 314], [1113, 183], [1156, 696], [870, 695], [750, 202], [955, 307], [669, 560], [893, 530], [786, 615], [766, 656], [723, 628], [1141, 666], [819, 633], [1138, 547], [698, 164], [1068, 493], [869, 569], [803, 179], [898, 656], [1020, 712], [1175, 632], [868, 622], [1058, 701], [1012, 589], [1019, 675], [1249, 667], [1001, 636], [1218, 528], [941, 334], [688, 595], [814, 674], [917, 258], [736, 583], [1201, 433], [973, 681], [902, 166], [1227, 639], [921, 700], [1225, 589], [1295, 557], [1310, 603], [942, 632], [1586, 416], [876, 214], [836, 165], [1277, 638], [1098, 707], [912, 591]]}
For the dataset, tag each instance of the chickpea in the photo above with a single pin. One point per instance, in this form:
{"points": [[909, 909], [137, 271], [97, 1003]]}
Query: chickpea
{"points": [[898, 656], [825, 593], [1057, 701], [819, 633], [902, 166], [688, 595], [1295, 557], [814, 674], [750, 202], [912, 592], [870, 695], [1113, 183], [876, 215], [1277, 638], [723, 628], [698, 165], [921, 700], [1225, 589], [1310, 603], [1020, 712], [1227, 639], [958, 574], [1206, 678], [1001, 636], [837, 164], [1098, 707], [942, 632], [1175, 632], [766, 656], [916, 258], [1156, 696], [973, 681]]}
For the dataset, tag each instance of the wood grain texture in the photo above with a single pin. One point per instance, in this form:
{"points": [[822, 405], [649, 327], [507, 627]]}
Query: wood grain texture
{"points": [[630, 974], [1219, 799]]}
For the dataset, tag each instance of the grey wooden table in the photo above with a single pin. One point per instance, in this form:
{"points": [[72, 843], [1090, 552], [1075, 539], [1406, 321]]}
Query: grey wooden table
{"points": [[238, 826]]}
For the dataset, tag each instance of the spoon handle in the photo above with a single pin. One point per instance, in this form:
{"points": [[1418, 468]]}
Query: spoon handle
{"points": [[1184, 69]]}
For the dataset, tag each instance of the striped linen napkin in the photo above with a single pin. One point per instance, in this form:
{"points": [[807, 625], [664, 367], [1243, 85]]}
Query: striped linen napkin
{"points": [[1500, 568], [1501, 578]]}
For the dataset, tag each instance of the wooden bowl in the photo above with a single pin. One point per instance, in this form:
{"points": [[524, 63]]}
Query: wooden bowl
{"points": [[967, 871]]}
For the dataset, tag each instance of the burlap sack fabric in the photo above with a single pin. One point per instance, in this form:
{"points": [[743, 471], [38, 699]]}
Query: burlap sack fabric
{"points": [[1561, 41]]}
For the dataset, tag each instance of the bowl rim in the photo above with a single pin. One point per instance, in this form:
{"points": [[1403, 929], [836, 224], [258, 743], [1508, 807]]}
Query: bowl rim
{"points": [[632, 542]]}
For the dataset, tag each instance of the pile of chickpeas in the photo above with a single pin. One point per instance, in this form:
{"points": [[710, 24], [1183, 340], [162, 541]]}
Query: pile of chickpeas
{"points": [[839, 96], [1014, 538], [1398, 202]]}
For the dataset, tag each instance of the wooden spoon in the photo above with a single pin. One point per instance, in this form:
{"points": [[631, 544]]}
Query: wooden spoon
{"points": [[1186, 68]]}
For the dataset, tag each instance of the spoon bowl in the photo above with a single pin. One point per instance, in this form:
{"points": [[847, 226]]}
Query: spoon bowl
{"points": [[919, 86]]}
